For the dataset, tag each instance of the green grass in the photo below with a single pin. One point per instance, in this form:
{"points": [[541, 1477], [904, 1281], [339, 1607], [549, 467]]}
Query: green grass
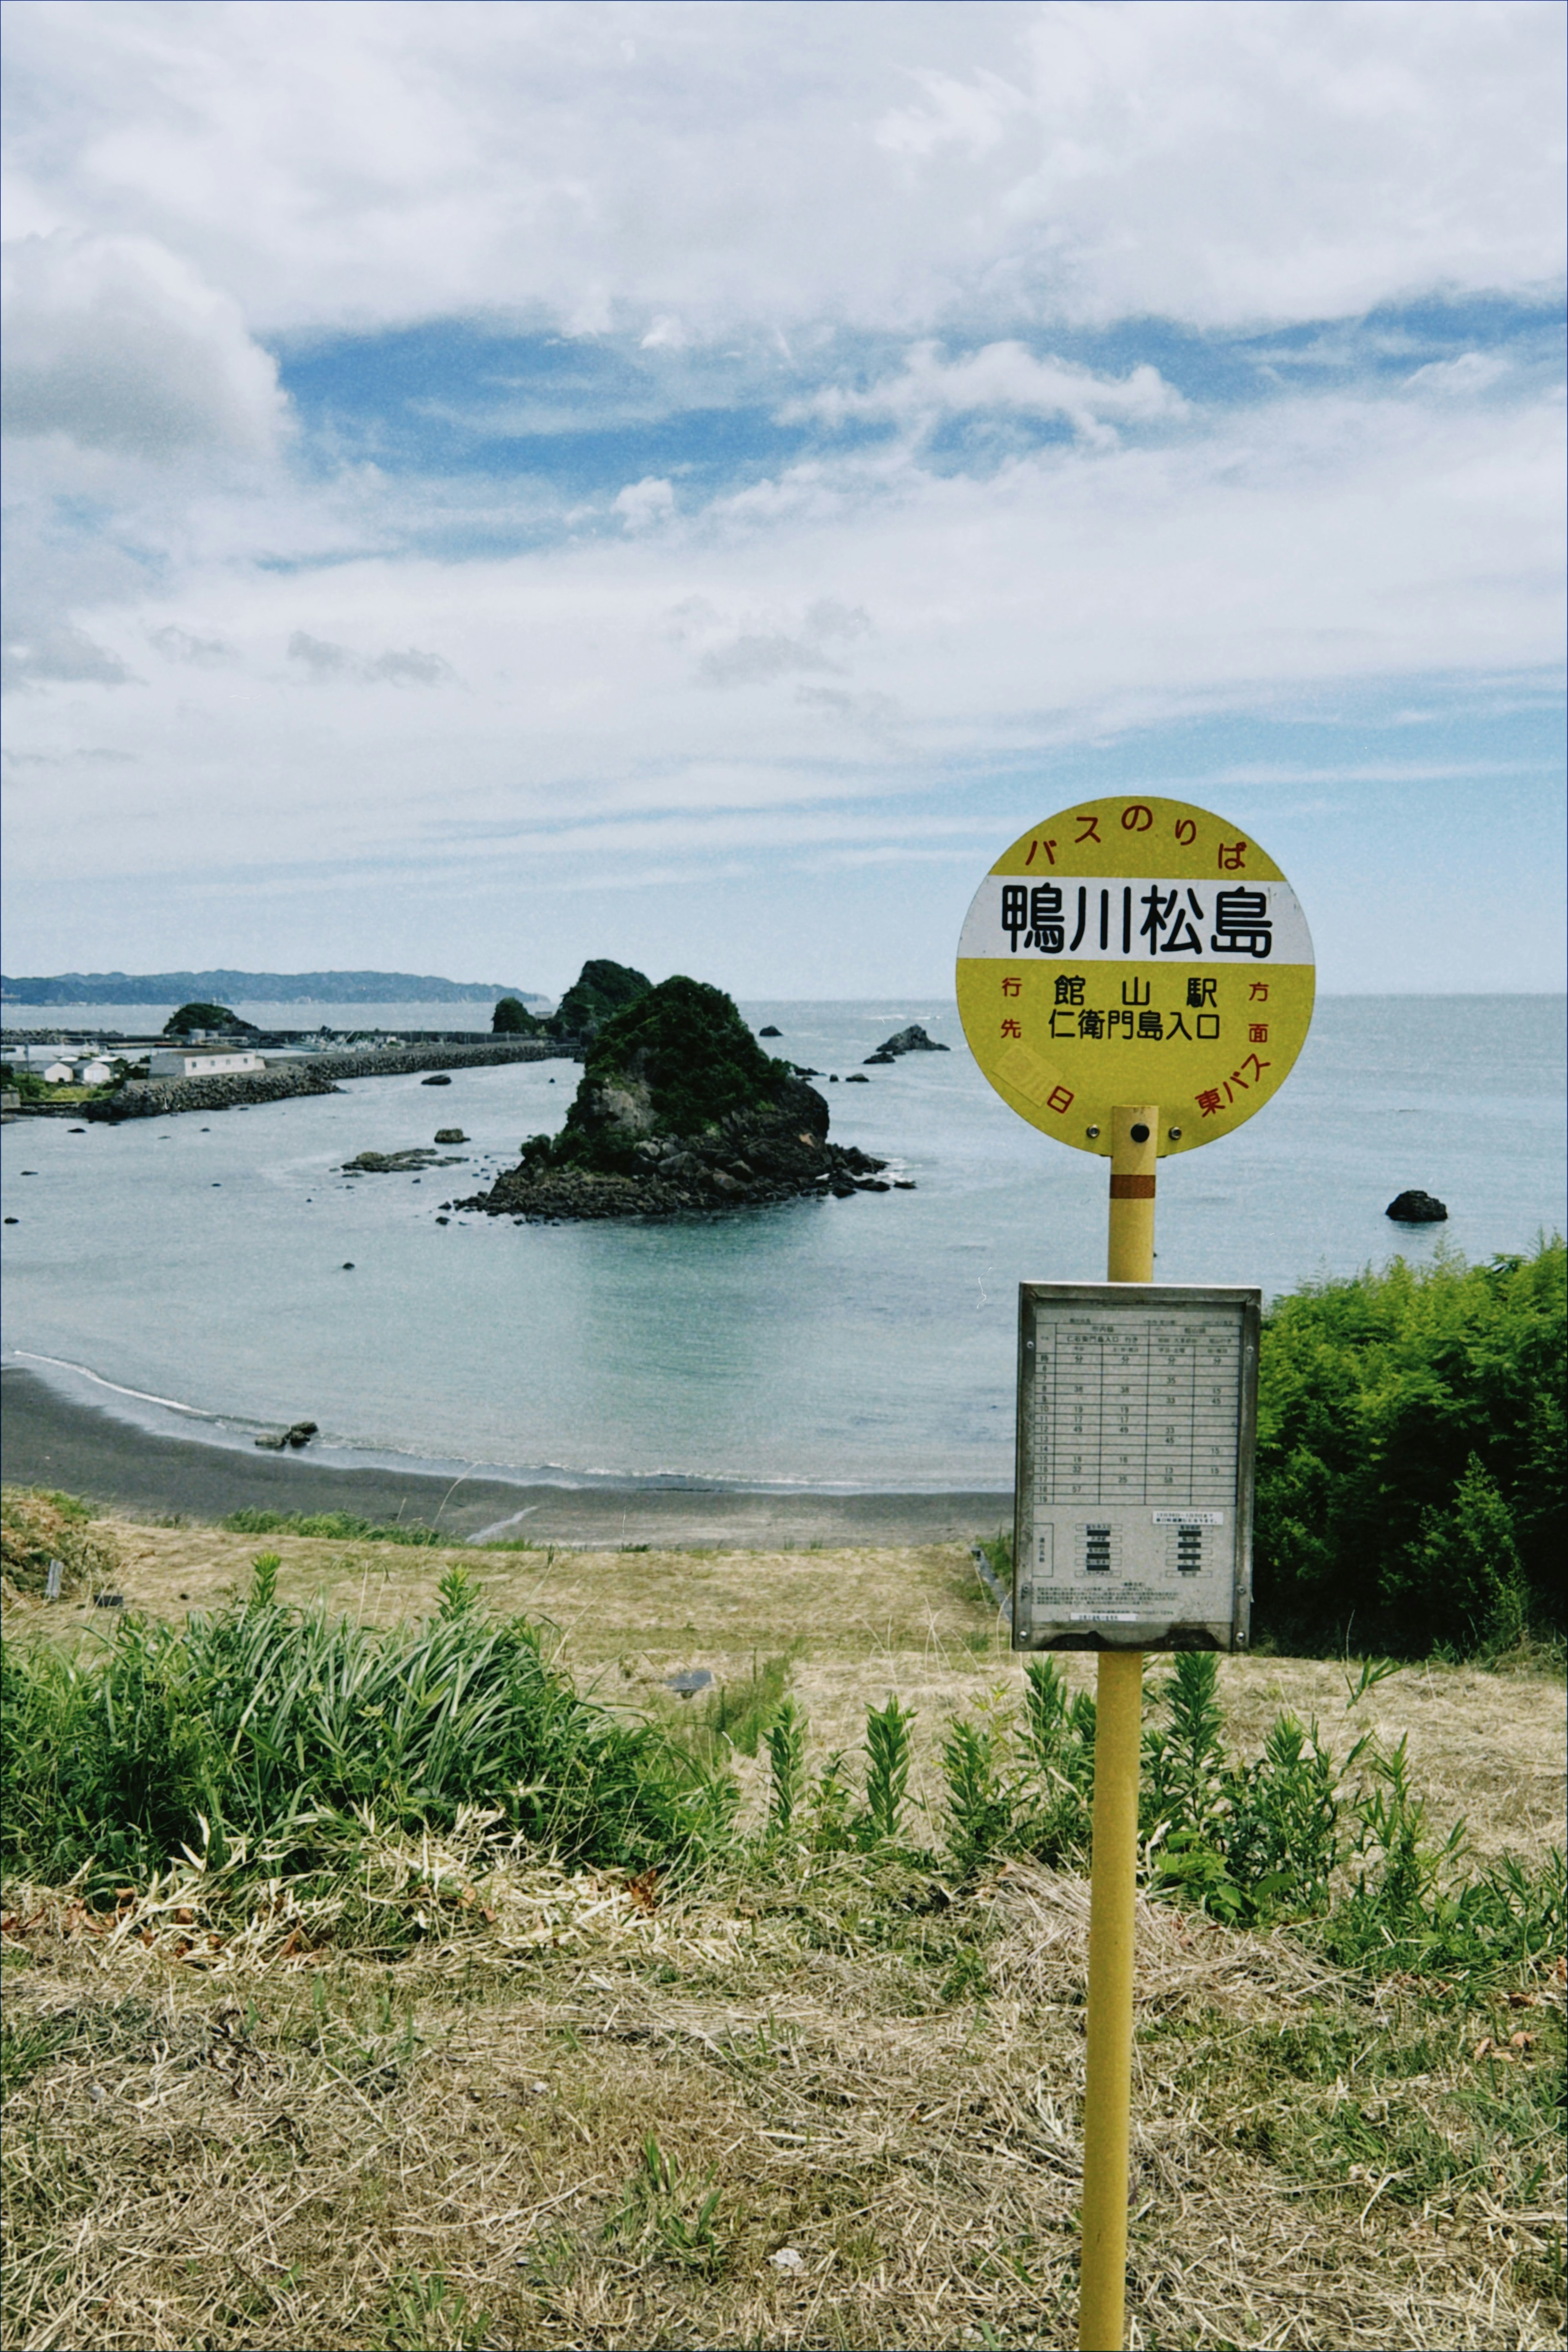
{"points": [[340, 1526]]}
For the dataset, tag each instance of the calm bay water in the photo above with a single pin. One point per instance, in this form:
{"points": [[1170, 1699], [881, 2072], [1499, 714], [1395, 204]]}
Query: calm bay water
{"points": [[197, 1266]]}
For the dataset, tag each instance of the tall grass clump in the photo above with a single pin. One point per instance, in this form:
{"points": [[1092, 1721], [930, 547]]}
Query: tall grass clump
{"points": [[37, 1528], [1411, 1458], [289, 1729]]}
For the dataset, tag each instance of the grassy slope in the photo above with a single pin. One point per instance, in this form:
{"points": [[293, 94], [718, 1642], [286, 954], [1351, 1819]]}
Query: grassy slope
{"points": [[279, 2139]]}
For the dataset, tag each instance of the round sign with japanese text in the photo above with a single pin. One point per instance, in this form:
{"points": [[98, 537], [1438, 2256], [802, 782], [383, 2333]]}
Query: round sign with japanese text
{"points": [[1135, 952]]}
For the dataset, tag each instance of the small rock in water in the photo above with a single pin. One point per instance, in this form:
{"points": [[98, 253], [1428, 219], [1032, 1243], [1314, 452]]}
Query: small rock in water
{"points": [[856, 1079], [1417, 1209], [770, 1031], [348, 1265], [450, 1135], [437, 1079]]}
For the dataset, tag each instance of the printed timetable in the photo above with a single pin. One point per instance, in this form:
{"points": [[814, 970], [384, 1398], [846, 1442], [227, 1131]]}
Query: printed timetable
{"points": [[1137, 1410]]}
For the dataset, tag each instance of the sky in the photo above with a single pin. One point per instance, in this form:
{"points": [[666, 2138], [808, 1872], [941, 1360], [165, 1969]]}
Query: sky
{"points": [[492, 485]]}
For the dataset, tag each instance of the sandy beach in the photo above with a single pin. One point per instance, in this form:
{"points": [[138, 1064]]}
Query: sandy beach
{"points": [[51, 1440]]}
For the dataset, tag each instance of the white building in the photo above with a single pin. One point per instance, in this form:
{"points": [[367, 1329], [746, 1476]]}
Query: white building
{"points": [[196, 1062]]}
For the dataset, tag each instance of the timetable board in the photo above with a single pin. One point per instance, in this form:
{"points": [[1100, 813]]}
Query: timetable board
{"points": [[1137, 1415]]}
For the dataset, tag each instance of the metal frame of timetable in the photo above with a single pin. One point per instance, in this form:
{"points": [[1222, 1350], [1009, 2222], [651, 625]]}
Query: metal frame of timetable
{"points": [[1137, 1424]]}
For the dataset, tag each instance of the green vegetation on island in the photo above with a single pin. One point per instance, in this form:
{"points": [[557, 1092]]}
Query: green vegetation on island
{"points": [[601, 990], [511, 1018], [216, 1020], [677, 1061]]}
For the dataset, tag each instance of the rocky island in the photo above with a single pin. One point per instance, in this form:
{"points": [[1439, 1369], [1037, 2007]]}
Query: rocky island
{"points": [[680, 1109]]}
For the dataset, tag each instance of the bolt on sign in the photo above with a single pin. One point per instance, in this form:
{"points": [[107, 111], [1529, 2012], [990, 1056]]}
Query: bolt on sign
{"points": [[1136, 950], [1137, 1409]]}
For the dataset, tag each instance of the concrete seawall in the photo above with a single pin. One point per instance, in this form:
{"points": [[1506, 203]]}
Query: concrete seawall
{"points": [[164, 1098]]}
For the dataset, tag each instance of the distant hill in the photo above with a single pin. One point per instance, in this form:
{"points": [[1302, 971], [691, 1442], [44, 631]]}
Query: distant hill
{"points": [[258, 988]]}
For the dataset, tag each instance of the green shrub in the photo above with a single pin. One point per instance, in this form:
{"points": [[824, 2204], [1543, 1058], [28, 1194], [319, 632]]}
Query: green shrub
{"points": [[1411, 1457]]}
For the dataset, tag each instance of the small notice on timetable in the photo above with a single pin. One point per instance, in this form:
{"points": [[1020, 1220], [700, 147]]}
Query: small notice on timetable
{"points": [[1137, 1410]]}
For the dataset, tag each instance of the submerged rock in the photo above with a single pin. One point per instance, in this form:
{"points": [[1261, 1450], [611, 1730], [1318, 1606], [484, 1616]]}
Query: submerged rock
{"points": [[679, 1110], [436, 1078], [1417, 1209], [404, 1164]]}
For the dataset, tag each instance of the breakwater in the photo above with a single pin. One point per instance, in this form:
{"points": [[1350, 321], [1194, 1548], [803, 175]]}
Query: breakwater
{"points": [[162, 1098]]}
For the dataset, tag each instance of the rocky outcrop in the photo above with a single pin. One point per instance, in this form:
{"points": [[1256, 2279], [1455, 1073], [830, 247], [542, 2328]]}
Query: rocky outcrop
{"points": [[912, 1040], [1417, 1209], [681, 1110], [299, 1434]]}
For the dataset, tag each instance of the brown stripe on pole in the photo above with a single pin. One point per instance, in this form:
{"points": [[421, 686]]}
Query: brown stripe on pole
{"points": [[1132, 1188]]}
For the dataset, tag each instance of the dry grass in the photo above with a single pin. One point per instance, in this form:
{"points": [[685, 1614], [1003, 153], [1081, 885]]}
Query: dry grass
{"points": [[227, 2133], [286, 2147]]}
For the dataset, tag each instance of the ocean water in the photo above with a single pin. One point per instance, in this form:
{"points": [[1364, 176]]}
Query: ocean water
{"points": [[189, 1272]]}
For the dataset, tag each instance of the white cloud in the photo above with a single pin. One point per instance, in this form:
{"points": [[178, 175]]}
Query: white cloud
{"points": [[643, 503], [1003, 376], [1472, 372], [116, 345], [1281, 554], [1212, 161]]}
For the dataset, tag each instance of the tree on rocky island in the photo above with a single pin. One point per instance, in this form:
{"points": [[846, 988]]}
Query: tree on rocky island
{"points": [[212, 1017], [601, 990], [512, 1019]]}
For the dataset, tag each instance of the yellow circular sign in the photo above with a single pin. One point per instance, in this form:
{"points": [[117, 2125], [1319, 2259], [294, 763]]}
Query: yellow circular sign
{"points": [[1135, 952]]}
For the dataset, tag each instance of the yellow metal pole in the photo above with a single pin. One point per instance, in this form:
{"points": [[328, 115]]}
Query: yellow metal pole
{"points": [[1130, 1257]]}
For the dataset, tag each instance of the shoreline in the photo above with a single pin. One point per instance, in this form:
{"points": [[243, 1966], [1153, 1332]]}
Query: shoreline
{"points": [[50, 1440]]}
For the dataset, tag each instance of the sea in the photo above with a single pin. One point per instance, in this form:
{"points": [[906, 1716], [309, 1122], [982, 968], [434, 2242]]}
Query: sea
{"points": [[216, 1275]]}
